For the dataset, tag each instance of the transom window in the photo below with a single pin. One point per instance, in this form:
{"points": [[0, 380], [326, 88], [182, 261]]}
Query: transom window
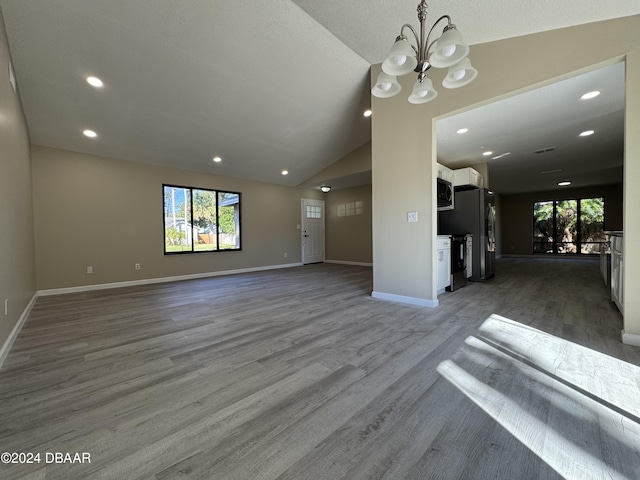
{"points": [[200, 220], [314, 211]]}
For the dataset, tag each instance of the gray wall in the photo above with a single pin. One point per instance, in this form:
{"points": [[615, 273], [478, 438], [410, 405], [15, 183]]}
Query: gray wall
{"points": [[404, 151], [17, 253], [108, 214], [348, 237], [516, 217]]}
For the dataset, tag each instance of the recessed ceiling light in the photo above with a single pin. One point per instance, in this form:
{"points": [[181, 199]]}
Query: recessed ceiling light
{"points": [[95, 82], [586, 133], [285, 172], [217, 159], [487, 153], [367, 113], [564, 184], [89, 133], [462, 130], [590, 95]]}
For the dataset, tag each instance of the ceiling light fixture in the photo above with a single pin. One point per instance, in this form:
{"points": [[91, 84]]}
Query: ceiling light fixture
{"points": [[564, 184], [487, 153], [447, 51], [500, 156], [285, 172], [95, 82], [325, 188], [590, 95], [89, 133], [462, 130], [217, 159], [367, 113], [586, 133]]}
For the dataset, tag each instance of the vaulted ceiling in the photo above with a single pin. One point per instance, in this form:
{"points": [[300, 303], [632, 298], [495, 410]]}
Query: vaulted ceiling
{"points": [[267, 86]]}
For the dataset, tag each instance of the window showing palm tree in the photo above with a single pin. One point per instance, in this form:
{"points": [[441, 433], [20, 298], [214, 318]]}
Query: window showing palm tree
{"points": [[200, 220], [543, 227], [568, 226], [566, 230], [592, 225]]}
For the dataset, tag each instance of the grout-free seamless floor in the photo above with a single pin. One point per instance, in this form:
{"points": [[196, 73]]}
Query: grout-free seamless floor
{"points": [[299, 374]]}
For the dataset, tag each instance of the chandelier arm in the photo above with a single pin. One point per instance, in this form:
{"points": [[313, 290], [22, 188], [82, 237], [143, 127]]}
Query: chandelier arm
{"points": [[427, 47], [430, 45], [415, 35]]}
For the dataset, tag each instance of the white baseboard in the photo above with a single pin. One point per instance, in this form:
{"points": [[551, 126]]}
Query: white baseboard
{"points": [[4, 350], [148, 281], [344, 262], [403, 299], [630, 339]]}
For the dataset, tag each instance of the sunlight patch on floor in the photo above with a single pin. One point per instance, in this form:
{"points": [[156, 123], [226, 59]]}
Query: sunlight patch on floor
{"points": [[575, 408]]}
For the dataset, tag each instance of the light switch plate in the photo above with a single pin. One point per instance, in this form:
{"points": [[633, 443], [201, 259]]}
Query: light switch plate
{"points": [[412, 217]]}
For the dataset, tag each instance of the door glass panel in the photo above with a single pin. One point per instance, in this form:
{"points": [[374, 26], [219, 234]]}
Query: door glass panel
{"points": [[591, 225], [556, 224], [314, 211], [543, 227], [567, 226]]}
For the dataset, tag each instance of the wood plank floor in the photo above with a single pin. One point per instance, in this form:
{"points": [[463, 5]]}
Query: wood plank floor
{"points": [[300, 374]]}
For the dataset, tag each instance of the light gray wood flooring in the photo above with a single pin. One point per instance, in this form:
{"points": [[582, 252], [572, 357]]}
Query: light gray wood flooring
{"points": [[300, 374]]}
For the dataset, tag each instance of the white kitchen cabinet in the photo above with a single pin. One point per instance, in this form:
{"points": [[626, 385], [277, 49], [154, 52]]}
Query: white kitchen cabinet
{"points": [[617, 271], [445, 173], [469, 258], [468, 177], [443, 264]]}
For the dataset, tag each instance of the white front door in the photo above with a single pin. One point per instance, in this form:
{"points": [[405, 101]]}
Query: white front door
{"points": [[312, 231]]}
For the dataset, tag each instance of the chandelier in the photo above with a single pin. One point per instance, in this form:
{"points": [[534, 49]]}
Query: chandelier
{"points": [[447, 51]]}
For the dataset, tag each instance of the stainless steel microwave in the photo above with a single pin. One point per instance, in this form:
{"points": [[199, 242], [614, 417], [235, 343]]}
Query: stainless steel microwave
{"points": [[445, 195]]}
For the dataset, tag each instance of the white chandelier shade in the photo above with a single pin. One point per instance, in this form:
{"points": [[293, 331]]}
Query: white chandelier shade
{"points": [[460, 74], [401, 59], [387, 86], [423, 92], [447, 51]]}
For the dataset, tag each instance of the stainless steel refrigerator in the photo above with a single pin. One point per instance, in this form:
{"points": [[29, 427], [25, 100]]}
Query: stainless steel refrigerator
{"points": [[474, 213]]}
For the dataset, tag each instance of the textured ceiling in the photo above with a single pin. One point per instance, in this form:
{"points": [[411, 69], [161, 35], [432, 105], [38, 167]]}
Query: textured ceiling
{"points": [[188, 80], [370, 26], [555, 116], [267, 85]]}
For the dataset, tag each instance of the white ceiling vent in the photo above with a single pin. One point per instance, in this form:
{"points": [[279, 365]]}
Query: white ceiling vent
{"points": [[545, 150]]}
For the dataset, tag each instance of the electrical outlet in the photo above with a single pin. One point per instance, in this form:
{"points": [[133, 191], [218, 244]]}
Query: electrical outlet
{"points": [[89, 269], [137, 266], [285, 254], [412, 217]]}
